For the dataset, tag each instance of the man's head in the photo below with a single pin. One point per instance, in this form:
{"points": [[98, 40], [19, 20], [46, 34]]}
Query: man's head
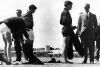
{"points": [[68, 5], [87, 7], [19, 12], [32, 8]]}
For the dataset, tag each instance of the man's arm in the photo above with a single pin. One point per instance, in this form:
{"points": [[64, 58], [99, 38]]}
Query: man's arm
{"points": [[79, 25], [65, 18], [26, 34], [95, 23], [28, 21]]}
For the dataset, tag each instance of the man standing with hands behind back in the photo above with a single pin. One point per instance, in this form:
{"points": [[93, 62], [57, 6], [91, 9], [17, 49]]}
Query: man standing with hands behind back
{"points": [[87, 25]]}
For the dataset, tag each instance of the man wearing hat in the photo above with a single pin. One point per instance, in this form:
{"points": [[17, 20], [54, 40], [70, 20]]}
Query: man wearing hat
{"points": [[87, 25]]}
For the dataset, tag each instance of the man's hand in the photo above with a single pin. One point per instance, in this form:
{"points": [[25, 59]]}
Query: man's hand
{"points": [[73, 27], [77, 34]]}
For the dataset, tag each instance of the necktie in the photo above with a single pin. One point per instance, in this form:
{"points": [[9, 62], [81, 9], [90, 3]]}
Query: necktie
{"points": [[87, 17]]}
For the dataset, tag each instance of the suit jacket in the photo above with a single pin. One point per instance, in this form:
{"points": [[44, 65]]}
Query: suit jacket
{"points": [[86, 28], [97, 33]]}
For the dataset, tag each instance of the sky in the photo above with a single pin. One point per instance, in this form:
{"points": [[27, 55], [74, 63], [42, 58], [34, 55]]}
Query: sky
{"points": [[47, 28]]}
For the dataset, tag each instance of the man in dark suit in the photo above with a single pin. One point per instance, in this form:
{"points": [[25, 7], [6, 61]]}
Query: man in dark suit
{"points": [[87, 24]]}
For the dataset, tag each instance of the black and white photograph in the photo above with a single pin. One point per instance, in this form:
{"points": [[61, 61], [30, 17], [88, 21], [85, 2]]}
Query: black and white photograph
{"points": [[50, 33]]}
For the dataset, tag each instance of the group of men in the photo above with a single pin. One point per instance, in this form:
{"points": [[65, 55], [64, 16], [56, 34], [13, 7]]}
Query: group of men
{"points": [[87, 30], [21, 29], [19, 36]]}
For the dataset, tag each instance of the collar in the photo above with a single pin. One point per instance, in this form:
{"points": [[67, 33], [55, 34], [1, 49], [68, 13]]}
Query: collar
{"points": [[87, 13], [66, 9]]}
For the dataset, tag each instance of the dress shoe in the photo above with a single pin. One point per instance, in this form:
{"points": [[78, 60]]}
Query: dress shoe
{"points": [[33, 63], [91, 61], [53, 60], [17, 63], [27, 63], [68, 62], [84, 62], [97, 58]]}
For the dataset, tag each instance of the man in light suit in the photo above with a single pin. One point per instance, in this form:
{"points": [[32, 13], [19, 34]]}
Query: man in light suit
{"points": [[87, 24]]}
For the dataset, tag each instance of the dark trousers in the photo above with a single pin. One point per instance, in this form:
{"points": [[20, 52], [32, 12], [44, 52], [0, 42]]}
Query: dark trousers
{"points": [[76, 43], [28, 51], [18, 49], [18, 37], [70, 50], [98, 49], [88, 46]]}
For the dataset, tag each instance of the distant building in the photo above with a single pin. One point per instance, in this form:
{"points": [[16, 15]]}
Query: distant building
{"points": [[48, 47], [40, 49]]}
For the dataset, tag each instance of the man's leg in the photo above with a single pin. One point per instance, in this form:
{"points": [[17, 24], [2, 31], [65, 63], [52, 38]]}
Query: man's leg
{"points": [[8, 43], [98, 49], [18, 50], [28, 49], [6, 34], [97, 55], [70, 50], [5, 51], [85, 43], [66, 42], [29, 54], [5, 42], [4, 60], [91, 51], [25, 51], [77, 44]]}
